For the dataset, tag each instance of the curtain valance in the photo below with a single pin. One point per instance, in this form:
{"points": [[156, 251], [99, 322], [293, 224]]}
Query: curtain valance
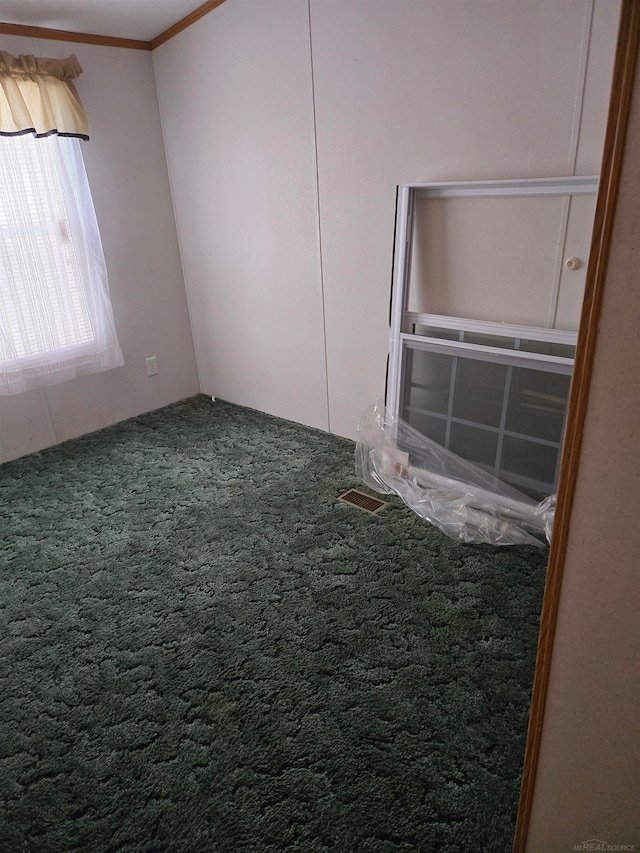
{"points": [[37, 96]]}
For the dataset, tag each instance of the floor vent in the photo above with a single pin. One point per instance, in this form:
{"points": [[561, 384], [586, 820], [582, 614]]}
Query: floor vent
{"points": [[362, 501]]}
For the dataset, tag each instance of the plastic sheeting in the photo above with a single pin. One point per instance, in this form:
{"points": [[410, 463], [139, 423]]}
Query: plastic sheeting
{"points": [[462, 500]]}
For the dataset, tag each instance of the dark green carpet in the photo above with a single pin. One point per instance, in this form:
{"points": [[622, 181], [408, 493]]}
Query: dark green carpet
{"points": [[202, 651]]}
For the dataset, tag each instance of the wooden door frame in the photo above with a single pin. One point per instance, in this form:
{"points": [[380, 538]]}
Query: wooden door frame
{"points": [[615, 138]]}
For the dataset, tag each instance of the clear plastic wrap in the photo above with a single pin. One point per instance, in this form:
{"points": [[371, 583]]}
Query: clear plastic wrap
{"points": [[462, 500], [546, 510]]}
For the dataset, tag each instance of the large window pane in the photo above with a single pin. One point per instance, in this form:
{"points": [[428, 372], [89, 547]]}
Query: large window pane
{"points": [[479, 392], [433, 428], [428, 381], [529, 466], [55, 314], [505, 418], [537, 403], [474, 444]]}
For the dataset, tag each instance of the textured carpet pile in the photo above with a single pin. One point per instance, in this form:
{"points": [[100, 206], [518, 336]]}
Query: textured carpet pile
{"points": [[202, 651]]}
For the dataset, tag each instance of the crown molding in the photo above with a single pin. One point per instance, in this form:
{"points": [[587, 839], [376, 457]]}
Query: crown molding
{"points": [[185, 22], [67, 35], [111, 41]]}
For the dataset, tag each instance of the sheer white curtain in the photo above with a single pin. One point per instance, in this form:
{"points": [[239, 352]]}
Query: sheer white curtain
{"points": [[55, 314]]}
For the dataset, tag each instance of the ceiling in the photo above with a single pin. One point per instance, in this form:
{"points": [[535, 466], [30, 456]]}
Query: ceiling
{"points": [[131, 19]]}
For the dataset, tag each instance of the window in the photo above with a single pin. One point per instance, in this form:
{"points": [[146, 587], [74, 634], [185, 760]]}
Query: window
{"points": [[55, 318], [494, 395], [492, 392], [55, 315]]}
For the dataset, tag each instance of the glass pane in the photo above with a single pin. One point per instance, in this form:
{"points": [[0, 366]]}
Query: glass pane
{"points": [[474, 444], [489, 340], [428, 381], [537, 403], [45, 297], [560, 350], [529, 466], [433, 428], [501, 341], [479, 391], [436, 332]]}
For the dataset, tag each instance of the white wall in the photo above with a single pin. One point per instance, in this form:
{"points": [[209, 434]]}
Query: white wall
{"points": [[502, 258], [402, 91], [127, 173], [236, 102], [588, 776], [429, 91]]}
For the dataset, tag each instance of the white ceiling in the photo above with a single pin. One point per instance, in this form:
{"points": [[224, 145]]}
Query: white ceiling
{"points": [[134, 19]]}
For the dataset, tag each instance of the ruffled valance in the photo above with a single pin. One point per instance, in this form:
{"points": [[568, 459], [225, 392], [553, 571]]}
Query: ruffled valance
{"points": [[37, 96]]}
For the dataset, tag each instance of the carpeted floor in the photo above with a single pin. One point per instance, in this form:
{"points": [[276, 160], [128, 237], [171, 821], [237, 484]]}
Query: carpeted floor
{"points": [[202, 651]]}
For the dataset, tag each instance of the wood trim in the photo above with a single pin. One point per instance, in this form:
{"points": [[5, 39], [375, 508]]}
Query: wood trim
{"points": [[615, 138], [185, 22], [111, 41], [67, 35]]}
